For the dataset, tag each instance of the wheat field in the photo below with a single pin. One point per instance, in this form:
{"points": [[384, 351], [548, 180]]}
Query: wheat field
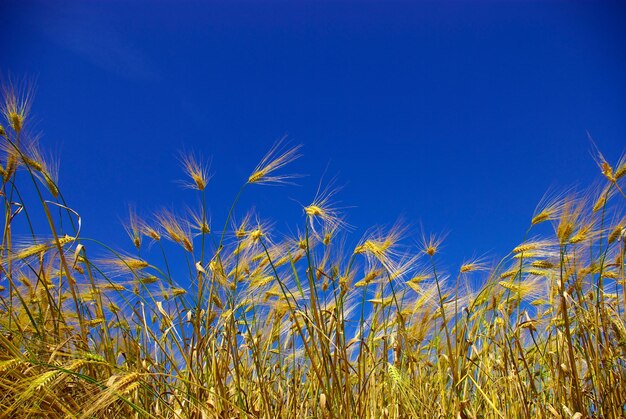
{"points": [[192, 320]]}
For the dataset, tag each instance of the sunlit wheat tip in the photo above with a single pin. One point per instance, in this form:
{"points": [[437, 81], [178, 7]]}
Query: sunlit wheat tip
{"points": [[584, 233], [217, 301], [11, 166], [256, 234], [541, 217], [322, 212], [509, 273], [468, 267], [605, 195], [603, 164], [178, 291], [569, 220], [147, 279], [610, 275], [369, 277], [527, 322], [33, 164], [607, 171], [95, 322], [530, 246], [616, 233], [529, 254], [620, 170], [314, 211], [385, 301], [43, 247], [549, 208], [240, 233], [196, 170], [420, 277], [543, 264], [113, 287], [126, 263], [274, 160], [476, 264], [132, 227], [414, 286], [177, 230], [149, 231], [17, 102], [199, 222], [430, 245]]}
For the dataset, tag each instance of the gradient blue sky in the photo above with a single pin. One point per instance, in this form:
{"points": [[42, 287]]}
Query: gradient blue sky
{"points": [[456, 115]]}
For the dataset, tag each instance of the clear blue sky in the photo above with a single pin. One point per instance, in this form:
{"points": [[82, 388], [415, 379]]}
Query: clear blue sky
{"points": [[456, 115]]}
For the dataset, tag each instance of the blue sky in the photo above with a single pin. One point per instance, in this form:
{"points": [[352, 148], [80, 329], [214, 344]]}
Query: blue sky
{"points": [[455, 115]]}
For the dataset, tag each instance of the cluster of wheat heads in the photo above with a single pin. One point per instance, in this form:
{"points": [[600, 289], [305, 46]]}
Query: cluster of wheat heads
{"points": [[193, 322]]}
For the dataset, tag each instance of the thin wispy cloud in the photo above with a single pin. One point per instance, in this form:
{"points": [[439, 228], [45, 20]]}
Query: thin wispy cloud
{"points": [[101, 45]]}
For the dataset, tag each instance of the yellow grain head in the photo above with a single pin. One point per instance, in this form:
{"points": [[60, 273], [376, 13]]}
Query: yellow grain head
{"points": [[568, 221], [620, 170], [618, 231], [199, 222], [176, 228], [196, 170], [147, 230], [275, 159], [132, 227], [431, 244], [17, 98]]}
